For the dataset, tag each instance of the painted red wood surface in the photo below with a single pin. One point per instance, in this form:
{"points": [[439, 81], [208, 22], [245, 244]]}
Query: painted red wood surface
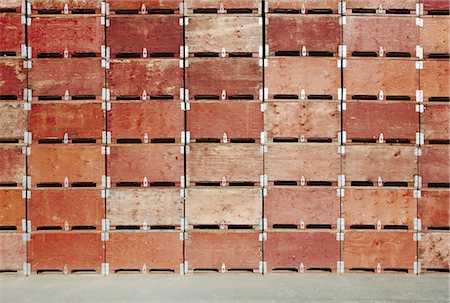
{"points": [[118, 5], [59, 4], [11, 4], [434, 164], [385, 5], [433, 79], [433, 208], [254, 5], [13, 120], [13, 209], [435, 121], [280, 6], [433, 35], [12, 33], [12, 165], [13, 79], [434, 251], [430, 5], [13, 252]]}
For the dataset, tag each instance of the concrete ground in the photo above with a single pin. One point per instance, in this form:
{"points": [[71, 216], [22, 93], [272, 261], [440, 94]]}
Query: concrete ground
{"points": [[224, 288]]}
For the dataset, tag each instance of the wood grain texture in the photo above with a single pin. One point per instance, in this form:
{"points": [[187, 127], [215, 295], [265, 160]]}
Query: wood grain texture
{"points": [[13, 120], [434, 78], [12, 208], [434, 35], [433, 208], [72, 4], [435, 5], [12, 251], [434, 164], [227, 4], [435, 122], [385, 4], [12, 78], [310, 4], [12, 33], [10, 4], [434, 250], [12, 164], [149, 4]]}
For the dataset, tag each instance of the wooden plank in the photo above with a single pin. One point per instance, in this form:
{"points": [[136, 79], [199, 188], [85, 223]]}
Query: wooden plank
{"points": [[320, 78], [431, 5], [433, 37], [66, 209], [12, 165], [229, 6], [13, 208], [435, 121], [129, 252], [152, 6], [12, 34], [13, 252], [154, 206], [433, 208], [9, 4], [434, 165], [310, 6], [372, 6], [13, 83], [434, 251], [434, 80], [59, 4], [13, 120]]}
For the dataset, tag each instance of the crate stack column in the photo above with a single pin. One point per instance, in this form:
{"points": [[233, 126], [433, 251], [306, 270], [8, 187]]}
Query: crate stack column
{"points": [[66, 121], [224, 176], [433, 203], [380, 135], [302, 121]]}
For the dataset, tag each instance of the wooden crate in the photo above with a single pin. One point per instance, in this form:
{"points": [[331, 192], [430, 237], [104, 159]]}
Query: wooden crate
{"points": [[224, 78], [82, 78], [301, 207], [137, 6], [13, 79], [433, 37], [223, 251], [234, 164], [314, 163], [387, 7], [434, 252], [302, 120], [12, 165], [66, 209], [57, 6], [320, 80], [159, 78], [223, 207], [434, 80], [12, 34], [50, 164], [13, 208], [236, 120], [224, 35], [151, 208], [13, 252], [435, 121], [397, 78], [434, 165], [160, 35], [161, 164], [223, 6], [13, 122], [144, 252], [379, 208], [81, 121], [288, 34], [365, 121], [379, 251], [307, 7], [433, 209], [434, 6], [364, 165], [75, 252]]}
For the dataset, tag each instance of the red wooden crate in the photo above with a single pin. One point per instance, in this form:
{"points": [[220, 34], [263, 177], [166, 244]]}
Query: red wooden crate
{"points": [[83, 78], [435, 121], [368, 120], [223, 6], [50, 164], [223, 251], [435, 5], [159, 78], [434, 80], [315, 162], [13, 252], [309, 7], [301, 251], [320, 79], [234, 162], [433, 35], [13, 79], [379, 208], [236, 119], [151, 6], [301, 207], [12, 34], [157, 162], [66, 252], [13, 121], [224, 35], [302, 120], [224, 78], [159, 35], [80, 121], [396, 165], [433, 208], [12, 165], [387, 6], [434, 252], [159, 120], [154, 207], [13, 208], [145, 252], [66, 209], [318, 33], [74, 6], [434, 165], [379, 251]]}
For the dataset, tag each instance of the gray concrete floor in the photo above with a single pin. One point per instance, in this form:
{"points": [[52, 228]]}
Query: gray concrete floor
{"points": [[224, 288]]}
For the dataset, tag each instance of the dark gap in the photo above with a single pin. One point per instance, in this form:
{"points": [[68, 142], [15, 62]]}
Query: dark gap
{"points": [[162, 55], [439, 56], [161, 97], [127, 12], [438, 270], [362, 269], [49, 228], [318, 226], [7, 10], [206, 226], [50, 141], [83, 227], [241, 183], [8, 228], [162, 140], [239, 226], [320, 54], [7, 271], [83, 271], [398, 54], [127, 271], [6, 141], [207, 54], [205, 11], [49, 98], [398, 140], [161, 11], [162, 184], [206, 270], [439, 141], [49, 184], [284, 269], [83, 140], [128, 55], [404, 270], [285, 96], [322, 269], [284, 226], [320, 11], [364, 97], [242, 140], [398, 11], [285, 140], [207, 183], [160, 271], [361, 183], [320, 97], [8, 184], [8, 54], [318, 183], [398, 98], [49, 55], [439, 185], [362, 226], [286, 11], [319, 140], [83, 55], [49, 11], [128, 98], [130, 184], [397, 227], [162, 227], [77, 11], [363, 11], [364, 140], [364, 54], [129, 141], [240, 55], [206, 97], [439, 99], [240, 97], [439, 12], [287, 53], [240, 270], [207, 140], [438, 228], [285, 183], [83, 97], [239, 10], [49, 271], [128, 227], [8, 97], [84, 184], [395, 184]]}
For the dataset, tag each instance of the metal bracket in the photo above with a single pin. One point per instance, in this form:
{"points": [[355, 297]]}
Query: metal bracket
{"points": [[263, 63], [417, 237], [105, 193], [342, 106], [419, 51], [264, 94], [27, 137], [26, 181], [417, 181], [340, 192], [106, 182], [419, 64], [185, 137], [341, 180], [420, 108], [263, 180], [342, 7], [106, 137], [341, 149], [184, 21], [342, 137], [417, 224], [342, 63], [262, 223], [417, 267], [26, 194], [262, 237], [342, 20], [26, 225], [106, 150], [339, 236], [184, 94], [184, 51], [263, 136], [340, 222], [105, 236], [420, 138], [105, 269], [105, 225], [26, 151], [342, 94], [106, 94], [419, 9], [26, 268], [185, 106], [262, 267], [340, 267], [264, 192], [184, 224], [417, 194], [419, 95], [26, 237], [342, 51], [419, 22]]}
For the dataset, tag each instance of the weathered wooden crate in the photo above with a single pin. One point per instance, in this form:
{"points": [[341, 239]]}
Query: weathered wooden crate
{"points": [[145, 121], [302, 120], [433, 209], [318, 35], [379, 208], [365, 121], [72, 79], [13, 79], [220, 207], [433, 7], [222, 7], [144, 252], [12, 34], [127, 7], [13, 207], [58, 165], [223, 251], [292, 207], [433, 36], [13, 122], [224, 78], [144, 208], [43, 7], [434, 252], [83, 122], [229, 164], [375, 165], [393, 79], [308, 163], [75, 252], [379, 251], [12, 166], [143, 79], [381, 36], [234, 120], [66, 209], [159, 35], [435, 121], [320, 78], [220, 35], [405, 7], [13, 252], [434, 165], [301, 251], [159, 164], [304, 7], [434, 80]]}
